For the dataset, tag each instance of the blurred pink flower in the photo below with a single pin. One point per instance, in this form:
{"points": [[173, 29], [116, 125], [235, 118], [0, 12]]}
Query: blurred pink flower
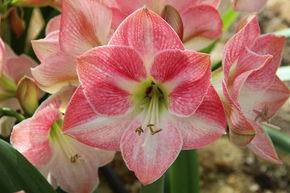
{"points": [[62, 160], [79, 28], [12, 69], [248, 5], [199, 18], [146, 96], [253, 91]]}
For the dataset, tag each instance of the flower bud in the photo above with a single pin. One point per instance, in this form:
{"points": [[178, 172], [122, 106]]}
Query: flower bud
{"points": [[37, 3], [28, 93]]}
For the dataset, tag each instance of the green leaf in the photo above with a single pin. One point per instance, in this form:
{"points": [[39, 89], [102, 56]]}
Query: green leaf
{"points": [[208, 49], [156, 187], [280, 140], [284, 73], [285, 32], [184, 174], [228, 18], [16, 173]]}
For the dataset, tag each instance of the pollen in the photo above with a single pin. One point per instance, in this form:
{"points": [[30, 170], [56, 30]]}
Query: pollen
{"points": [[73, 159]]}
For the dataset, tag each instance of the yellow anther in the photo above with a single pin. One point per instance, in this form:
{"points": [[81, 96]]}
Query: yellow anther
{"points": [[73, 159]]}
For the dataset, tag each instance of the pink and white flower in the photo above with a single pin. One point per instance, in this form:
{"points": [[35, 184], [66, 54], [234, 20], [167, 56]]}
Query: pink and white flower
{"points": [[248, 5], [64, 161], [79, 28], [253, 91], [199, 19], [12, 69], [146, 96]]}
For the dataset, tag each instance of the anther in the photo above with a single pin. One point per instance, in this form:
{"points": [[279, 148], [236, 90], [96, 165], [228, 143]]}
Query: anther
{"points": [[150, 126], [263, 114], [74, 158], [139, 130]]}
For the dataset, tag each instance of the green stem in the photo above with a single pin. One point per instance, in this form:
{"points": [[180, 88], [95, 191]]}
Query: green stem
{"points": [[156, 187], [228, 18], [280, 140], [184, 173], [11, 113]]}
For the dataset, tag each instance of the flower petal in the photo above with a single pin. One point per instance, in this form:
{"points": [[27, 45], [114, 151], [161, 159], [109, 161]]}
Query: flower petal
{"points": [[146, 32], [53, 25], [36, 149], [245, 37], [262, 146], [82, 123], [248, 5], [82, 27], [56, 71], [149, 156], [186, 75], [207, 22], [206, 125], [103, 72], [18, 67], [47, 46]]}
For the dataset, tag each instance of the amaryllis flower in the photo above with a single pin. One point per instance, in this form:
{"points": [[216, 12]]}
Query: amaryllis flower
{"points": [[79, 28], [253, 91], [196, 21], [146, 96], [248, 5], [64, 161], [12, 69]]}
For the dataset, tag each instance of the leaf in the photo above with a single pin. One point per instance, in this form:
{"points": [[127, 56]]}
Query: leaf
{"points": [[183, 174], [18, 174], [284, 73], [280, 139], [228, 18], [285, 32], [156, 187]]}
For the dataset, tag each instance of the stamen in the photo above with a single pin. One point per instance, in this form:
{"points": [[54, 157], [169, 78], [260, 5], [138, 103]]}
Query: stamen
{"points": [[263, 114], [139, 130], [73, 159], [150, 126]]}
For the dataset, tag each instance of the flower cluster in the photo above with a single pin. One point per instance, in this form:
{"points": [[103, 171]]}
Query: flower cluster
{"points": [[127, 76]]}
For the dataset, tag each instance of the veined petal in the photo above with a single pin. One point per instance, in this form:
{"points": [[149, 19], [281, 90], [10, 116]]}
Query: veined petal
{"points": [[146, 32], [262, 146], [82, 123], [203, 20], [18, 67], [206, 125], [84, 24], [2, 56], [186, 76], [47, 46], [248, 5], [274, 97], [56, 71], [103, 71], [245, 37], [149, 155], [53, 25], [30, 137]]}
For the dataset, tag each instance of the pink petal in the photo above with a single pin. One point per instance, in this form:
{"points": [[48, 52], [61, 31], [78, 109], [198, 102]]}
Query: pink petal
{"points": [[128, 7], [249, 5], [103, 71], [47, 46], [262, 146], [79, 176], [86, 126], [206, 125], [183, 5], [36, 149], [203, 20], [56, 71], [274, 97], [237, 44], [149, 156], [16, 68], [84, 24], [186, 75], [53, 25], [2, 56], [146, 32]]}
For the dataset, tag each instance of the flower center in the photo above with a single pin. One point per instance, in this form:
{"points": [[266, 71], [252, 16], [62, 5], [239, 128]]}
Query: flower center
{"points": [[63, 142], [263, 117], [152, 100]]}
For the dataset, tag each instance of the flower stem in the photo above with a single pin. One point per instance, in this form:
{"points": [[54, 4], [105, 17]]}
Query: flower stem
{"points": [[11, 113], [280, 139], [184, 173]]}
